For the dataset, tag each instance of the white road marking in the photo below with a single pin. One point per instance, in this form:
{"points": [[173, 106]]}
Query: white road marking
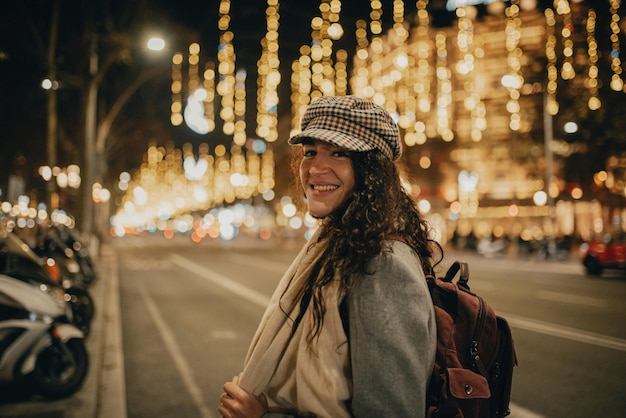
{"points": [[272, 266], [560, 331], [245, 292], [147, 264], [176, 353], [521, 412], [569, 298]]}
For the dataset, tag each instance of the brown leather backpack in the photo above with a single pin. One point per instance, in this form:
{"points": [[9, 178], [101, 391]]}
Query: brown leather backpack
{"points": [[475, 356]]}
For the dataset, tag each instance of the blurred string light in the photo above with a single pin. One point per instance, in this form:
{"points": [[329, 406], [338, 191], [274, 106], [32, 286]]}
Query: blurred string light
{"points": [[193, 59], [315, 73], [341, 72], [514, 80], [420, 101], [552, 105], [194, 110], [322, 69], [567, 69], [592, 71], [470, 53], [239, 133], [209, 97], [400, 32], [269, 76], [360, 73], [367, 78], [377, 93], [444, 89], [339, 68], [176, 87], [401, 104], [617, 83], [226, 69], [300, 87]]}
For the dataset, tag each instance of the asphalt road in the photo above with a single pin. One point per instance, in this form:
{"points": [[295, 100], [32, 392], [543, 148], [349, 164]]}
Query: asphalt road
{"points": [[187, 313]]}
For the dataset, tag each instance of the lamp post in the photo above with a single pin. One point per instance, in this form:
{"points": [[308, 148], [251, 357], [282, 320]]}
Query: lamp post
{"points": [[51, 85], [91, 110], [96, 134]]}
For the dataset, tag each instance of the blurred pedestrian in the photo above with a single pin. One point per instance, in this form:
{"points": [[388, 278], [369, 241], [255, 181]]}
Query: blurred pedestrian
{"points": [[350, 330]]}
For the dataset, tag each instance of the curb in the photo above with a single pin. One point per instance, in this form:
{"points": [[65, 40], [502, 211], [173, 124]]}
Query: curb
{"points": [[112, 384]]}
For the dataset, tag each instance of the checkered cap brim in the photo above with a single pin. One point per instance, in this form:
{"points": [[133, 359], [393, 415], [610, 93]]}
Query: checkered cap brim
{"points": [[352, 123]]}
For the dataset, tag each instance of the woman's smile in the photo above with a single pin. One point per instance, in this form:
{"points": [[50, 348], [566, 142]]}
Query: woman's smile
{"points": [[324, 188], [327, 176]]}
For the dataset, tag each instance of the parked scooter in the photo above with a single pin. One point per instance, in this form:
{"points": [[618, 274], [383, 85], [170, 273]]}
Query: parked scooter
{"points": [[69, 254], [37, 346], [72, 239], [20, 262]]}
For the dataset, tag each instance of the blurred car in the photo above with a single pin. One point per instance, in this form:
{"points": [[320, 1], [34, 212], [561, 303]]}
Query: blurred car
{"points": [[597, 256]]}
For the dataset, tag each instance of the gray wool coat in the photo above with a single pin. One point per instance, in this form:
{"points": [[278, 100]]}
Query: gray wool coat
{"points": [[392, 336]]}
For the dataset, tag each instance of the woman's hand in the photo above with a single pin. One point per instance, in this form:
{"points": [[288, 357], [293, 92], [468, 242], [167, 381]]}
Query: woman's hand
{"points": [[237, 403]]}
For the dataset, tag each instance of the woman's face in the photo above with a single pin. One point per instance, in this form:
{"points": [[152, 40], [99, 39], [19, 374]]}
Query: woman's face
{"points": [[327, 176]]}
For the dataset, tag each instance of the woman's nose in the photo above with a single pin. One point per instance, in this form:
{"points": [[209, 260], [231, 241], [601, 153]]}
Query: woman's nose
{"points": [[319, 164]]}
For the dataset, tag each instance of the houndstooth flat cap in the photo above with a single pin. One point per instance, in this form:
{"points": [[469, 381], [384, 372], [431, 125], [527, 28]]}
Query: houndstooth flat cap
{"points": [[352, 123]]}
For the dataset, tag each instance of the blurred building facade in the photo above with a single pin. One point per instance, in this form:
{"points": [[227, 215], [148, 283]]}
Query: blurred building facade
{"points": [[504, 117]]}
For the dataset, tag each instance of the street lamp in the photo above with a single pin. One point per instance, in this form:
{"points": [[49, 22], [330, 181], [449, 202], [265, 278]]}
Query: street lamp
{"points": [[156, 44]]}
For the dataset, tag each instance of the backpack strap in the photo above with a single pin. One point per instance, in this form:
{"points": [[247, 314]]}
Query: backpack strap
{"points": [[458, 267]]}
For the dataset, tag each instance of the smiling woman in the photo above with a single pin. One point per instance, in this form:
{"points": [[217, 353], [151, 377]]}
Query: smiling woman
{"points": [[336, 340]]}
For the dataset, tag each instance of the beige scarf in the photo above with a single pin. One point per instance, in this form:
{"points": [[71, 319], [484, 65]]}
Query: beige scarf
{"points": [[305, 379]]}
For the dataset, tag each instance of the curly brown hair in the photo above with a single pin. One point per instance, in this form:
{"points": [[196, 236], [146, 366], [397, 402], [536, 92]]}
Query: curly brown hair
{"points": [[378, 210]]}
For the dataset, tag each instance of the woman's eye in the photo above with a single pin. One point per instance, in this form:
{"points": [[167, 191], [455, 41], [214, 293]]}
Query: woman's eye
{"points": [[308, 152], [342, 154]]}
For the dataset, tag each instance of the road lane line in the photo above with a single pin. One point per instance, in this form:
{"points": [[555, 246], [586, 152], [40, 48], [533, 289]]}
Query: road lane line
{"points": [[245, 292], [272, 266], [176, 353], [565, 332], [569, 298], [521, 412]]}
